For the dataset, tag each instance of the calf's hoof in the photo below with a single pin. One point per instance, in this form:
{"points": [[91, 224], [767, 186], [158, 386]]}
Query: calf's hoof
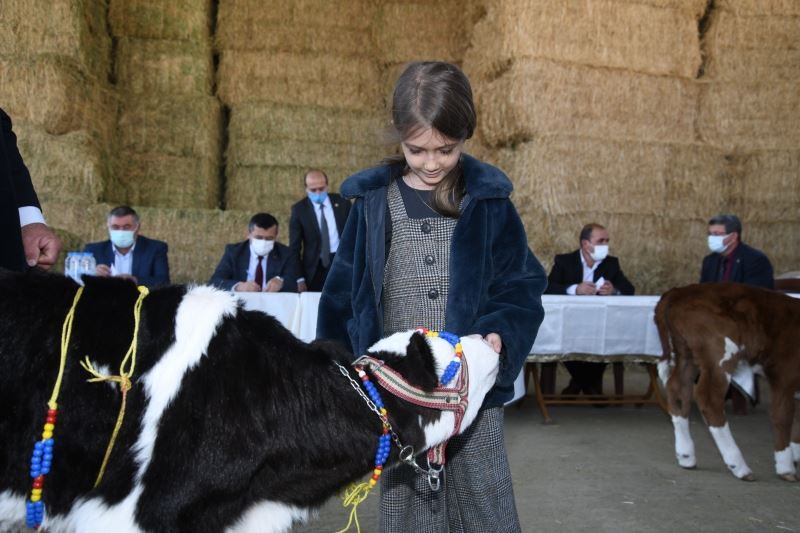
{"points": [[688, 462], [788, 477], [748, 477]]}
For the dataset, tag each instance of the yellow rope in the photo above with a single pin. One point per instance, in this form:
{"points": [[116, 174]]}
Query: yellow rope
{"points": [[66, 333], [124, 378], [353, 496]]}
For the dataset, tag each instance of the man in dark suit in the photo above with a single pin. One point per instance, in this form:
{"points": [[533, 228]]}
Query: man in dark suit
{"points": [[732, 260], [126, 254], [259, 264], [25, 240], [587, 271], [316, 223]]}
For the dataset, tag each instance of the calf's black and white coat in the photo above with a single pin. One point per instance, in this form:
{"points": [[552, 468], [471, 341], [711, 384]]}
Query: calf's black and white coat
{"points": [[232, 423]]}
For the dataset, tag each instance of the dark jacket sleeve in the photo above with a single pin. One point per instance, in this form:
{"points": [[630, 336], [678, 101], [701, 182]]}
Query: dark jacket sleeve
{"points": [[707, 273], [557, 281], [514, 303], [335, 304], [224, 275], [296, 240], [621, 283], [24, 193], [158, 273], [290, 272], [757, 270]]}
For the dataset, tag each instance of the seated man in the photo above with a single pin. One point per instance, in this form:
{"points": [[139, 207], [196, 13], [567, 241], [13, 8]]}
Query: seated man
{"points": [[129, 255], [732, 260], [587, 271], [259, 264]]}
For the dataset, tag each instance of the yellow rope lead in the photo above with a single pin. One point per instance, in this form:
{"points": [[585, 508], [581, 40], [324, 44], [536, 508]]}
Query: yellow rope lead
{"points": [[66, 333], [353, 496], [124, 378]]}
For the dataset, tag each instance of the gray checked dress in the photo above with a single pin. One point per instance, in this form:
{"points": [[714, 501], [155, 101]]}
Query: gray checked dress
{"points": [[476, 493]]}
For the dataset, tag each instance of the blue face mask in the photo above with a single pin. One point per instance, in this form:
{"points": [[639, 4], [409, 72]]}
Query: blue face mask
{"points": [[317, 197], [121, 238]]}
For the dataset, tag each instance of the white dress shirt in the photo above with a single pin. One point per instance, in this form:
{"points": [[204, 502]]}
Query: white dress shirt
{"points": [[588, 273], [333, 232], [123, 263], [30, 215]]}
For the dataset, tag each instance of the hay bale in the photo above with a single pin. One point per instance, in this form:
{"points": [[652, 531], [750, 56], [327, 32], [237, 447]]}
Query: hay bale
{"points": [[317, 80], [164, 67], [761, 115], [752, 48], [779, 240], [160, 180], [770, 187], [538, 97], [182, 20], [259, 121], [184, 127], [70, 167], [74, 29], [284, 152], [53, 93], [272, 188], [606, 33], [760, 7], [298, 39]]}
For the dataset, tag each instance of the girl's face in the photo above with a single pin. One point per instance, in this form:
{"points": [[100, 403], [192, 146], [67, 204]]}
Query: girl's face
{"points": [[430, 156]]}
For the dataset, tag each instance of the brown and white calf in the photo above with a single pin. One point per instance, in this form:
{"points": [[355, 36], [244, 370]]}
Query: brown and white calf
{"points": [[706, 331]]}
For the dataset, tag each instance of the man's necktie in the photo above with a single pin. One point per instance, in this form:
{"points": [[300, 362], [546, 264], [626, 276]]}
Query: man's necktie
{"points": [[325, 245], [259, 272]]}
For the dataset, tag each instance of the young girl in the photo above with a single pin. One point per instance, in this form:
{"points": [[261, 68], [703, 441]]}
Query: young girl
{"points": [[433, 240]]}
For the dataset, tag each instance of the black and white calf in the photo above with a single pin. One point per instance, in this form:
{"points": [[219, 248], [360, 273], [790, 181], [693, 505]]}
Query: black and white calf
{"points": [[232, 423]]}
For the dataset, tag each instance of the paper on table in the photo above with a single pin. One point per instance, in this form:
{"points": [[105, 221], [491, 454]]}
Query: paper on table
{"points": [[599, 282]]}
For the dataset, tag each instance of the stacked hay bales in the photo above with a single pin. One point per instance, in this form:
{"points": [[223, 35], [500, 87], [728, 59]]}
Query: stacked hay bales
{"points": [[169, 121], [55, 57], [593, 115], [302, 86]]}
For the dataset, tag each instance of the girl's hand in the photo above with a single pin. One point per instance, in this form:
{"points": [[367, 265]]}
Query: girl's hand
{"points": [[494, 341]]}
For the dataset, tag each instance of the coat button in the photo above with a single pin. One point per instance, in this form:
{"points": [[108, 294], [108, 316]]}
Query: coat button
{"points": [[429, 259], [433, 294], [426, 227]]}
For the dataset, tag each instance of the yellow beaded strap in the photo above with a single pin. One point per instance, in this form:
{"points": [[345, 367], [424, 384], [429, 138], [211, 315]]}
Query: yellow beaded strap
{"points": [[126, 369]]}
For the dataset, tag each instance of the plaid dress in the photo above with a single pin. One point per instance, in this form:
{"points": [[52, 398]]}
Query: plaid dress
{"points": [[476, 492]]}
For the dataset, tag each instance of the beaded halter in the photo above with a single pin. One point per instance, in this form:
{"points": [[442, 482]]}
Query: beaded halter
{"points": [[452, 368]]}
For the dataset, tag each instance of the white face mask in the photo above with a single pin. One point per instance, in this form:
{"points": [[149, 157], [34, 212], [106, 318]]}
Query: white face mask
{"points": [[262, 247], [715, 243], [122, 238], [600, 252]]}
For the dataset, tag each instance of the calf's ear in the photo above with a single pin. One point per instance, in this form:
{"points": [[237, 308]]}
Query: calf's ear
{"points": [[418, 365]]}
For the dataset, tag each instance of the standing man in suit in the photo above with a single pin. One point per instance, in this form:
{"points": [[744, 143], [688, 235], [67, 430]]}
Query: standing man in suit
{"points": [[732, 260], [25, 239], [316, 223], [587, 271], [126, 254], [259, 264]]}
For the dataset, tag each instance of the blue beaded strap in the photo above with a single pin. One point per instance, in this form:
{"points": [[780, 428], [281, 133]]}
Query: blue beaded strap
{"points": [[385, 440], [453, 367]]}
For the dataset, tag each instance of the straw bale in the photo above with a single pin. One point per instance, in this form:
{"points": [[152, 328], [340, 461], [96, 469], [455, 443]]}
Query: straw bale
{"points": [[74, 29], [770, 186], [318, 80], [183, 20], [739, 116], [53, 93], [565, 174], [779, 240], [537, 97], [264, 121], [168, 181], [70, 167], [760, 7], [607, 33], [185, 127], [164, 67], [284, 152], [752, 48], [408, 31], [272, 188]]}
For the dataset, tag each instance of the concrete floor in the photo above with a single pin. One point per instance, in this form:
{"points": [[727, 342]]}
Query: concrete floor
{"points": [[613, 470]]}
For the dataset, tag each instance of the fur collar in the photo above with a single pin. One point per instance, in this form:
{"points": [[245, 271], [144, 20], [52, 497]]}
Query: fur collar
{"points": [[483, 180]]}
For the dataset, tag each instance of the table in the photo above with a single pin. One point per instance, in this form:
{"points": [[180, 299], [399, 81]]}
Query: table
{"points": [[599, 328]]}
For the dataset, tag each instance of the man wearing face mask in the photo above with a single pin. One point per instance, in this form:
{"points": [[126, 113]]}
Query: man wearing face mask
{"points": [[587, 271], [316, 223], [731, 259], [258, 264], [126, 254]]}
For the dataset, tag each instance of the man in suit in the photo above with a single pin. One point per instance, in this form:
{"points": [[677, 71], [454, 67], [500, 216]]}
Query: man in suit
{"points": [[258, 264], [316, 223], [25, 239], [732, 260], [127, 254], [587, 271]]}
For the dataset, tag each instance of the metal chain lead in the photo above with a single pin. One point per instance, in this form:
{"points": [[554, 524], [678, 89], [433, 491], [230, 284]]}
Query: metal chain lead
{"points": [[406, 452]]}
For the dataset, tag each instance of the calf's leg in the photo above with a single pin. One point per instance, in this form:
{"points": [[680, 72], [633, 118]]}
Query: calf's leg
{"points": [[710, 396], [796, 429], [679, 398], [781, 412]]}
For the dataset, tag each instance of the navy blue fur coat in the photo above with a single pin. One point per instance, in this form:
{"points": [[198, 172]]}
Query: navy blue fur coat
{"points": [[496, 283]]}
